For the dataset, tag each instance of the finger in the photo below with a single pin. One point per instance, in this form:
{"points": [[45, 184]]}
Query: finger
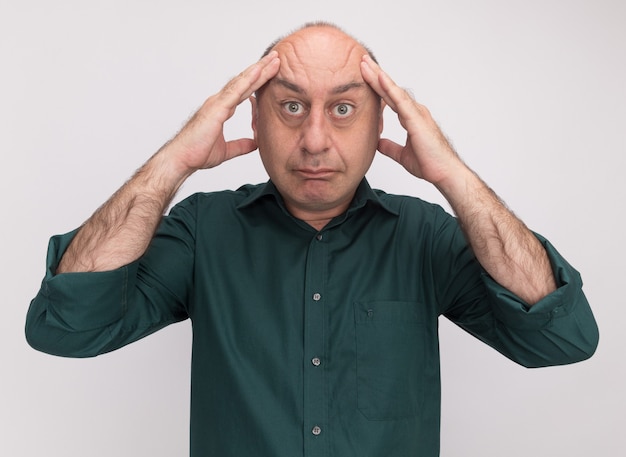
{"points": [[396, 97], [372, 74], [252, 78], [240, 147], [390, 149]]}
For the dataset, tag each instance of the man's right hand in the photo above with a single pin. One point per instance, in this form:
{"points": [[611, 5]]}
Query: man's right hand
{"points": [[120, 231], [200, 144]]}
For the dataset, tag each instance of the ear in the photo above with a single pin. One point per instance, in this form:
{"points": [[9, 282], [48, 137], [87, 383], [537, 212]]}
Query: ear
{"points": [[253, 103], [383, 105]]}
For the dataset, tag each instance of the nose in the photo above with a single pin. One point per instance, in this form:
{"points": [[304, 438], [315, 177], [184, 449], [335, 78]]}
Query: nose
{"points": [[315, 132]]}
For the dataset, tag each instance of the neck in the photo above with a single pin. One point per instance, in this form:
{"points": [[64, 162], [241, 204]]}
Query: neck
{"points": [[317, 224], [316, 219]]}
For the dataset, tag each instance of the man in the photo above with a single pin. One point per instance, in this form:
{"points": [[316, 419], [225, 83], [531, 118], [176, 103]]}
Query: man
{"points": [[314, 299]]}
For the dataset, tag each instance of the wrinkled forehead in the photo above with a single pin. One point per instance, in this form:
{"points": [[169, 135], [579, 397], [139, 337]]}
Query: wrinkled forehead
{"points": [[320, 55]]}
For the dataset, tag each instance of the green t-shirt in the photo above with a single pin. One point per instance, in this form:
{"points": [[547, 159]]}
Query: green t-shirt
{"points": [[306, 342]]}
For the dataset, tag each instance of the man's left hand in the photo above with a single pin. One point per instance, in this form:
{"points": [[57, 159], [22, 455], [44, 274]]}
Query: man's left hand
{"points": [[427, 153]]}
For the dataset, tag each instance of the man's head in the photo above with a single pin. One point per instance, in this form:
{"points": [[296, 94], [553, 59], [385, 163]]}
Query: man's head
{"points": [[317, 122]]}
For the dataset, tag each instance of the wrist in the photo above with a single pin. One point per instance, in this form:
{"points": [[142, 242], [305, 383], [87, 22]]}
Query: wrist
{"points": [[458, 183], [165, 168]]}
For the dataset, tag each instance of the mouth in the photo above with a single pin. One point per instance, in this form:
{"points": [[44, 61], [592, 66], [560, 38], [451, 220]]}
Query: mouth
{"points": [[315, 173]]}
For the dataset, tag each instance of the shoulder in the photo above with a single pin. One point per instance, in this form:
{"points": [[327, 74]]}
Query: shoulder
{"points": [[409, 206], [222, 199]]}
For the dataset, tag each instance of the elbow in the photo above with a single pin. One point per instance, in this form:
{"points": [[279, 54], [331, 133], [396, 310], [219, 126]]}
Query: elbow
{"points": [[44, 339], [32, 338], [57, 345], [560, 352], [49, 339], [590, 343], [587, 337], [35, 330]]}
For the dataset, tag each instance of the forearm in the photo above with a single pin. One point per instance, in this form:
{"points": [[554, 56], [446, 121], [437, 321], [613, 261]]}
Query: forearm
{"points": [[505, 248], [503, 245], [120, 231]]}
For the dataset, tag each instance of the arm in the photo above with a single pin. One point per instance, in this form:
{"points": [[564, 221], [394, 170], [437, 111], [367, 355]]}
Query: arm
{"points": [[505, 248], [120, 231], [119, 290]]}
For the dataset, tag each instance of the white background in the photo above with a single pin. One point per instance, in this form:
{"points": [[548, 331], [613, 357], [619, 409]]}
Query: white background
{"points": [[531, 92]]}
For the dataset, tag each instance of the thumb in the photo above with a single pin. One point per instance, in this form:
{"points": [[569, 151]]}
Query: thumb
{"points": [[239, 147], [390, 149]]}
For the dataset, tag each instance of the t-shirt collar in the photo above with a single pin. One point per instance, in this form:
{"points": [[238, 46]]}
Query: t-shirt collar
{"points": [[362, 196]]}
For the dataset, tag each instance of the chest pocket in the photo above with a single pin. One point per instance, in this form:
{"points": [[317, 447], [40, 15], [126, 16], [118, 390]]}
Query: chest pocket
{"points": [[391, 340]]}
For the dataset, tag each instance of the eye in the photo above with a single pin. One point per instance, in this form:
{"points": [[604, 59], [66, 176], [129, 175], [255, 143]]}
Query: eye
{"points": [[293, 107], [342, 110]]}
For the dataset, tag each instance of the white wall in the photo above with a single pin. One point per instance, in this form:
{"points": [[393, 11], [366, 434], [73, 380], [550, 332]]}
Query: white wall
{"points": [[531, 92]]}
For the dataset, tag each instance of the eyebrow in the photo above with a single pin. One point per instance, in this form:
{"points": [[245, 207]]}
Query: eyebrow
{"points": [[291, 86], [336, 90], [347, 87]]}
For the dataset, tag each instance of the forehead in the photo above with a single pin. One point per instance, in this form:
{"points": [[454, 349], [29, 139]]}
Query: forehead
{"points": [[320, 58]]}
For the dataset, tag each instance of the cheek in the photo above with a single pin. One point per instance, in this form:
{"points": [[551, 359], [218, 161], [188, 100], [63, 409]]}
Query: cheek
{"points": [[264, 138], [274, 144], [278, 145], [366, 134], [270, 129], [362, 144]]}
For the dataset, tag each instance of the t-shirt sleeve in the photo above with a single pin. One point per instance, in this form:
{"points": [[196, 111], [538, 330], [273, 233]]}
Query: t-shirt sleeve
{"points": [[86, 314], [557, 330]]}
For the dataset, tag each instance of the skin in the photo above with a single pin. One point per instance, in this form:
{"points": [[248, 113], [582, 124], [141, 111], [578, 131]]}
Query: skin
{"points": [[120, 231], [317, 124], [503, 245]]}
